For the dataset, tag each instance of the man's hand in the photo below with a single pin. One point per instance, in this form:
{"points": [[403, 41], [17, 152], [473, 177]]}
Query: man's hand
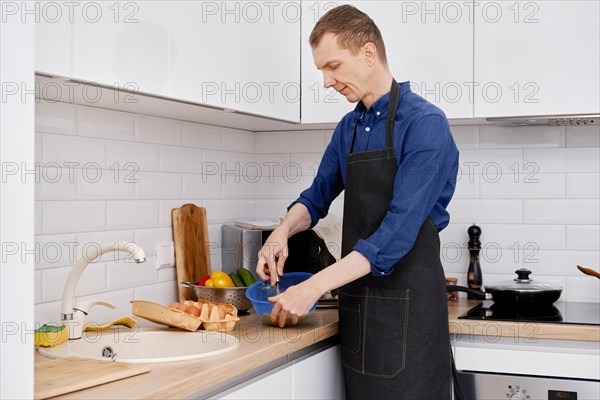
{"points": [[295, 302], [272, 255]]}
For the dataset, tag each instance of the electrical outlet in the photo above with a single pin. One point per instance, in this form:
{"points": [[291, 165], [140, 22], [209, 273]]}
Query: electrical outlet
{"points": [[165, 254]]}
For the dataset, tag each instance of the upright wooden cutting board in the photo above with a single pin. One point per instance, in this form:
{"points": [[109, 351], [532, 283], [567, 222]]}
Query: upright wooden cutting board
{"points": [[192, 248], [66, 375]]}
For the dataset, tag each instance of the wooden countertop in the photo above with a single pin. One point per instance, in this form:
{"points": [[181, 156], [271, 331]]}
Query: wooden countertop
{"points": [[518, 330], [261, 346]]}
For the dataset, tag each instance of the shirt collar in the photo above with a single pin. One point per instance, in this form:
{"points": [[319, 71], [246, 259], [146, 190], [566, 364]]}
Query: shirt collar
{"points": [[381, 105]]}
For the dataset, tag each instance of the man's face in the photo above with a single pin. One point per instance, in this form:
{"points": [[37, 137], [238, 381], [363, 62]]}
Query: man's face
{"points": [[347, 73]]}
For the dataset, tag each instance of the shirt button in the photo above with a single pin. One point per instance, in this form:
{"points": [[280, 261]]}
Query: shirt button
{"points": [[378, 113], [368, 129]]}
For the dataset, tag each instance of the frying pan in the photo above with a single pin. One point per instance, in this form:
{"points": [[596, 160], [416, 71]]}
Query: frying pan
{"points": [[522, 292]]}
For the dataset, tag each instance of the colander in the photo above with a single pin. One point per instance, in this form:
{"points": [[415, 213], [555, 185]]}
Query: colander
{"points": [[231, 295]]}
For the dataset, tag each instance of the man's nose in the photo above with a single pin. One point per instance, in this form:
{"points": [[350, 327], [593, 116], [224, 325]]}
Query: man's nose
{"points": [[328, 80]]}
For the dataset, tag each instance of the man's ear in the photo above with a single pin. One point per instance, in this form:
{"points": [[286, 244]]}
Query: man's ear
{"points": [[369, 52]]}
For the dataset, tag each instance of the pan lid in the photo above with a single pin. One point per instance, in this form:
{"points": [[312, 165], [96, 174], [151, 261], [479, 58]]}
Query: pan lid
{"points": [[522, 283]]}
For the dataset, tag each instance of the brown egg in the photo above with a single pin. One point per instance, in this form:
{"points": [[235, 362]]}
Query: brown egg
{"points": [[182, 307], [192, 310], [174, 305]]}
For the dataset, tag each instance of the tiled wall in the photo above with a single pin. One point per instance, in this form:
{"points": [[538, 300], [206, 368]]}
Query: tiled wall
{"points": [[105, 176], [534, 191]]}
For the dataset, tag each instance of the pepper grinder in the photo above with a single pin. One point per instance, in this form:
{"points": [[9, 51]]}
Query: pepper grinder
{"points": [[474, 279]]}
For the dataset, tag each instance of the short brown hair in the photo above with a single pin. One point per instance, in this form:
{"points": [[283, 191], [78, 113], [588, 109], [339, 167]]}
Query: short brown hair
{"points": [[352, 27]]}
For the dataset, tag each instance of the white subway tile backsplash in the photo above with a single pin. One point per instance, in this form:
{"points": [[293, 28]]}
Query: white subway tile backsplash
{"points": [[271, 209], [93, 280], [562, 211], [568, 160], [583, 136], [73, 152], [158, 185], [73, 216], [37, 287], [583, 237], [287, 142], [237, 140], [103, 123], [167, 275], [158, 130], [562, 262], [38, 148], [495, 137], [104, 184], [147, 239], [201, 186], [202, 136], [180, 159], [583, 186], [55, 117], [288, 186], [466, 136], [221, 211], [582, 289], [486, 211], [271, 165], [467, 187], [127, 273], [489, 163], [238, 187], [305, 164], [55, 250], [162, 293], [38, 211], [131, 157], [220, 162], [132, 214], [247, 210], [524, 186], [54, 183]]}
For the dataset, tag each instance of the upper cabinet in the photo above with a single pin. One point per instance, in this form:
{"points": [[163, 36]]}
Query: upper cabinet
{"points": [[240, 55], [429, 44], [124, 44], [53, 37], [536, 58]]}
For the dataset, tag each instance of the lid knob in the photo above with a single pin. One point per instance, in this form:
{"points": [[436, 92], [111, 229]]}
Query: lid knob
{"points": [[522, 275]]}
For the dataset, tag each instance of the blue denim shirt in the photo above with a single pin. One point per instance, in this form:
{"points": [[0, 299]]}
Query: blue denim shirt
{"points": [[427, 160]]}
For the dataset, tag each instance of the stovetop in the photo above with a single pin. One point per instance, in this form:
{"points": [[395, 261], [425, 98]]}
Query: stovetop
{"points": [[558, 313]]}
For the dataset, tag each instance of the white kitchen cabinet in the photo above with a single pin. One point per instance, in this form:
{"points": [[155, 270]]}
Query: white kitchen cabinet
{"points": [[429, 44], [243, 56], [536, 58], [124, 44], [53, 36], [276, 386], [320, 376]]}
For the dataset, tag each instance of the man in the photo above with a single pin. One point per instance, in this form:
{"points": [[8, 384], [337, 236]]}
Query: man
{"points": [[396, 160]]}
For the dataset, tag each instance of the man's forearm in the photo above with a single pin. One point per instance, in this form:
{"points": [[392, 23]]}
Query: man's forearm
{"points": [[348, 269], [296, 220]]}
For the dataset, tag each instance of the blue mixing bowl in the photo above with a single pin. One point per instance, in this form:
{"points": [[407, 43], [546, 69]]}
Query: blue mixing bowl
{"points": [[260, 291]]}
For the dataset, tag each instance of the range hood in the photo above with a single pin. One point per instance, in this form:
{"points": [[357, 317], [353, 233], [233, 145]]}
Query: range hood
{"points": [[553, 120]]}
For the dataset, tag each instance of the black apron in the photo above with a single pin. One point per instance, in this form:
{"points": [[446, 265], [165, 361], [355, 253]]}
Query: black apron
{"points": [[393, 329]]}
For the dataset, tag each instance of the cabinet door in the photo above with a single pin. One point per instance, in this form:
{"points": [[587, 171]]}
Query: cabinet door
{"points": [[53, 35], [536, 58], [429, 44], [320, 376], [276, 386], [243, 56], [123, 43]]}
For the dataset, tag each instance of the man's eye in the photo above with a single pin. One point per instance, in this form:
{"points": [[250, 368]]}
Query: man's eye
{"points": [[332, 67]]}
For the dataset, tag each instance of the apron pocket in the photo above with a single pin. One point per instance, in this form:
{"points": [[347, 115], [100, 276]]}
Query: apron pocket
{"points": [[349, 315], [386, 334]]}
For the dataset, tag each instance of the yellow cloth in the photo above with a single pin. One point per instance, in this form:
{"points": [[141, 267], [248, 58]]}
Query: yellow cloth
{"points": [[124, 321]]}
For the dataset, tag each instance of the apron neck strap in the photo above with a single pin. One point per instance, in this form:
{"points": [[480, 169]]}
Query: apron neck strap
{"points": [[395, 93]]}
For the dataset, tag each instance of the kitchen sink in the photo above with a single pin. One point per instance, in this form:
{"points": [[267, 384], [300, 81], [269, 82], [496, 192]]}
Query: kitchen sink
{"points": [[144, 346]]}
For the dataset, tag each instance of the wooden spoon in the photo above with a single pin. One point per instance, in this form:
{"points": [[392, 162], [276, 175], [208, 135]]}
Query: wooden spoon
{"points": [[589, 271]]}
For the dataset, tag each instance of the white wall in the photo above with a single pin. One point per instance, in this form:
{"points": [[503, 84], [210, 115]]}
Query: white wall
{"points": [[88, 161], [534, 191]]}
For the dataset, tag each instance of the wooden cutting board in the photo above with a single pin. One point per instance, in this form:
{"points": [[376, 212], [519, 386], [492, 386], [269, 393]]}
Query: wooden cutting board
{"points": [[192, 248], [66, 375]]}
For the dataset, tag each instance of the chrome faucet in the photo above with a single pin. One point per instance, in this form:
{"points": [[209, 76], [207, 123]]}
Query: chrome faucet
{"points": [[72, 313]]}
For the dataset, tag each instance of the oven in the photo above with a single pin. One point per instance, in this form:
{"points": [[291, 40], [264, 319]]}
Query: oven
{"points": [[518, 368]]}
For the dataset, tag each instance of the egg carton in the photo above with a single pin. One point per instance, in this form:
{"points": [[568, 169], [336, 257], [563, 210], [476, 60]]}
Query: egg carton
{"points": [[160, 314], [215, 317]]}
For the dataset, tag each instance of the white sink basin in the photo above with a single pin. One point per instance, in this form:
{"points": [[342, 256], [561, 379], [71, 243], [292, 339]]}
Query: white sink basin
{"points": [[144, 346]]}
